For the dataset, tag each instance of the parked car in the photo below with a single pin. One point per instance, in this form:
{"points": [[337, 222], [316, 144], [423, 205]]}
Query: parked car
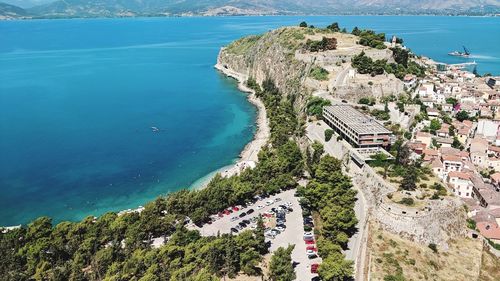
{"points": [[280, 228], [242, 214], [260, 207], [238, 227], [220, 214], [235, 208], [310, 242], [312, 256], [314, 268], [234, 218], [226, 212], [312, 248], [242, 224], [246, 221], [250, 211], [234, 230], [277, 199]]}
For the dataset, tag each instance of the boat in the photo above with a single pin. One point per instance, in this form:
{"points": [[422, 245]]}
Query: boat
{"points": [[155, 129], [465, 53]]}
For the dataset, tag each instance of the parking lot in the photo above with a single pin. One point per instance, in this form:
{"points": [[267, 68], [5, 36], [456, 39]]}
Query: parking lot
{"points": [[293, 234]]}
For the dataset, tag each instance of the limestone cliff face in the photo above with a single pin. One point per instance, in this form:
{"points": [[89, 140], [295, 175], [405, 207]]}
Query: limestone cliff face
{"points": [[280, 56], [269, 56]]}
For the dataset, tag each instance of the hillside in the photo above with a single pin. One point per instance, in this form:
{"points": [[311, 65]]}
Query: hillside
{"points": [[116, 8], [8, 11]]}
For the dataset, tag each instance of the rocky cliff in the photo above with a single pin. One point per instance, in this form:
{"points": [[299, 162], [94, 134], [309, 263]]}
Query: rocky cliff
{"points": [[271, 55]]}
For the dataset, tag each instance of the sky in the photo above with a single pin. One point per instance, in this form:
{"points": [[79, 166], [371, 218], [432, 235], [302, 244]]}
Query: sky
{"points": [[26, 3]]}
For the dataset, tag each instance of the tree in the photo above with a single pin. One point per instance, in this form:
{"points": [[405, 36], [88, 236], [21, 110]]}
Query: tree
{"points": [[303, 24], [328, 134], [452, 101], [315, 106], [462, 115], [336, 267], [381, 160], [356, 31], [451, 130], [280, 267], [334, 27], [410, 179], [457, 144], [435, 125]]}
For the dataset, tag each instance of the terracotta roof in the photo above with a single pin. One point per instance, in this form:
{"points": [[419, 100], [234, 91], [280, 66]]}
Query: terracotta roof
{"points": [[460, 175], [489, 230], [451, 158], [496, 177], [431, 152], [495, 213], [449, 150], [437, 163], [423, 135], [467, 123], [494, 148]]}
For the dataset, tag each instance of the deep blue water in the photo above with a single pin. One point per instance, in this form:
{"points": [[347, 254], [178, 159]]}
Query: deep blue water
{"points": [[78, 98]]}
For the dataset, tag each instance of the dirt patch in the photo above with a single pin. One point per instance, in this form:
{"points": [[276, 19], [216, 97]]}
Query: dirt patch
{"points": [[406, 260]]}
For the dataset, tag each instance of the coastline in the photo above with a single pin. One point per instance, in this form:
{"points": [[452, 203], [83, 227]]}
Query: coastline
{"points": [[249, 155]]}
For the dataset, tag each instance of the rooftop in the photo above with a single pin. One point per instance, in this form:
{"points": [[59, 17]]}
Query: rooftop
{"points": [[357, 121], [489, 230]]}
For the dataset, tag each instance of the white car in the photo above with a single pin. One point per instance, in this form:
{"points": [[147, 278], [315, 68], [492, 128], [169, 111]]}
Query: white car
{"points": [[253, 226], [260, 207], [269, 202], [310, 252], [234, 218], [280, 228]]}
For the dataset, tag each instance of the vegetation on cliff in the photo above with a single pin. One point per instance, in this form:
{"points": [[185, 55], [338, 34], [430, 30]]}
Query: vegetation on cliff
{"points": [[402, 66]]}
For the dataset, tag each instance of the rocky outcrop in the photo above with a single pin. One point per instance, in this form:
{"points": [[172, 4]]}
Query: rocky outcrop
{"points": [[268, 56]]}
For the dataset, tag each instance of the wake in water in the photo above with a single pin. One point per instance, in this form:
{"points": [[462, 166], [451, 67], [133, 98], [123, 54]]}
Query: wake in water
{"points": [[483, 57]]}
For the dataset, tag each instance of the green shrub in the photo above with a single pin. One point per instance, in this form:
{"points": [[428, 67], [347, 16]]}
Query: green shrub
{"points": [[407, 201], [328, 134], [319, 73]]}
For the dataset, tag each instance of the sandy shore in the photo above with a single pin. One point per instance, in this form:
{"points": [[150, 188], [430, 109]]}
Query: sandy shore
{"points": [[249, 155]]}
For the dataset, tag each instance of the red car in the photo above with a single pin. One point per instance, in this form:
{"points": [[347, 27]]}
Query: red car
{"points": [[236, 209], [312, 248], [267, 215], [314, 268], [226, 212], [309, 242]]}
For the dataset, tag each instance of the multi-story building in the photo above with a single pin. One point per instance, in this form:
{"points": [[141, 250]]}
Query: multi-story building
{"points": [[355, 127], [461, 184]]}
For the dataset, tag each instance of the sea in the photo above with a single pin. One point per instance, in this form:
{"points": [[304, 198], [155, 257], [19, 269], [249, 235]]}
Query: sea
{"points": [[100, 115]]}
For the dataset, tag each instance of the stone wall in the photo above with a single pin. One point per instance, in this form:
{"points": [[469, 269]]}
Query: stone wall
{"points": [[436, 222]]}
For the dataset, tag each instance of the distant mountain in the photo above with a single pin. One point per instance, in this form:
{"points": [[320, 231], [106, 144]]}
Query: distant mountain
{"points": [[8, 11], [25, 4], [114, 8]]}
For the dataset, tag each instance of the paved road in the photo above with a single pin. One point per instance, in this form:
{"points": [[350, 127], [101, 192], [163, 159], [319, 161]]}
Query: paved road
{"points": [[341, 78], [357, 243]]}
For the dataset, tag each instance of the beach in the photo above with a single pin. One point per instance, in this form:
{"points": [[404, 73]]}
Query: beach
{"points": [[249, 156]]}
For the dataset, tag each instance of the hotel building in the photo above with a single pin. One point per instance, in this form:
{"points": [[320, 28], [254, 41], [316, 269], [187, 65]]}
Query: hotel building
{"points": [[355, 127]]}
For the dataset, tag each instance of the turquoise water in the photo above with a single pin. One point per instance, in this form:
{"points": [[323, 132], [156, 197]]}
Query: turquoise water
{"points": [[78, 99]]}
